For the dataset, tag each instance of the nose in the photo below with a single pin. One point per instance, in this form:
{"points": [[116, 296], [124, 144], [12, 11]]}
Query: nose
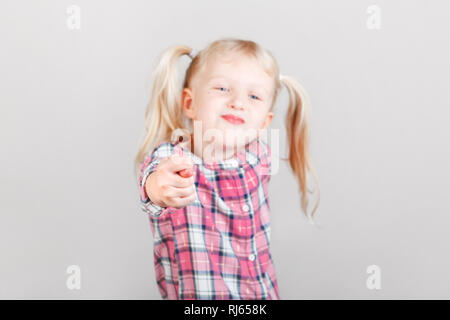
{"points": [[237, 106], [236, 103]]}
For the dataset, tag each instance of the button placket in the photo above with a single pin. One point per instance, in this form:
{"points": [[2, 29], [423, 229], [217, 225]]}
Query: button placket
{"points": [[251, 257], [234, 163]]}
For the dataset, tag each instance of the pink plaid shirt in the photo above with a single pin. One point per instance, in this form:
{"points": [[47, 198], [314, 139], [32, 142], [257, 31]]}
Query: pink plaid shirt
{"points": [[217, 247]]}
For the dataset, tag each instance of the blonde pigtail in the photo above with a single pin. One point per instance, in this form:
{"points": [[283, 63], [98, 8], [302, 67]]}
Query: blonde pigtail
{"points": [[164, 112], [297, 127]]}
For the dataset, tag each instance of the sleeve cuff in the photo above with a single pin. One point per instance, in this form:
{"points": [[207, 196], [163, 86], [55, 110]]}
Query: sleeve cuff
{"points": [[148, 166], [152, 208], [146, 204]]}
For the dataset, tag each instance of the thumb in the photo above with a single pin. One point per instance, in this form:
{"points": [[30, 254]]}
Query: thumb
{"points": [[178, 163], [186, 173]]}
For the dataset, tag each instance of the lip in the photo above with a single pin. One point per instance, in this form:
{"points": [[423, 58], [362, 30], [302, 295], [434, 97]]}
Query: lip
{"points": [[233, 119]]}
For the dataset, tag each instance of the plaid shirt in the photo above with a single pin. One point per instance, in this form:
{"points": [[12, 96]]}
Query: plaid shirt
{"points": [[217, 247]]}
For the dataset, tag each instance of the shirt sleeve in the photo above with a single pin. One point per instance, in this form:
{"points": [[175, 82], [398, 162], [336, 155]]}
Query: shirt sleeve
{"points": [[148, 166]]}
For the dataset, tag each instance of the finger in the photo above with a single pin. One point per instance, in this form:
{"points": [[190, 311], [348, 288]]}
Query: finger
{"points": [[180, 182], [185, 201], [180, 192]]}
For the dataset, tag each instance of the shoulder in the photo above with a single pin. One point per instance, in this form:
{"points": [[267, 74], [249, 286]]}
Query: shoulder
{"points": [[161, 150]]}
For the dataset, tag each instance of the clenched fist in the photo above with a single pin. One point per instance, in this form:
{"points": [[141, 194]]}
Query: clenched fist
{"points": [[172, 183]]}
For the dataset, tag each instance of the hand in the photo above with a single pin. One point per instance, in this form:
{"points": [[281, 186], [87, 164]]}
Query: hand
{"points": [[172, 183]]}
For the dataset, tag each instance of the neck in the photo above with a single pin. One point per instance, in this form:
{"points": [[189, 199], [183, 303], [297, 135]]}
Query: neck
{"points": [[210, 152]]}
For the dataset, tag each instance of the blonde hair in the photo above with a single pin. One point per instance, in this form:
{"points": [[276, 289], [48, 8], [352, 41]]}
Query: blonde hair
{"points": [[164, 114]]}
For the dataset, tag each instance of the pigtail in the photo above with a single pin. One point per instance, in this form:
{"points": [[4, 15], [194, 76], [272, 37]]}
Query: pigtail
{"points": [[164, 113], [297, 126]]}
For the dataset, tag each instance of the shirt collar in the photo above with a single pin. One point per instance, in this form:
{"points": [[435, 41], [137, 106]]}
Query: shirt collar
{"points": [[247, 156]]}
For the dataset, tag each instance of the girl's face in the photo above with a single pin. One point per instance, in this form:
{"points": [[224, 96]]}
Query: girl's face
{"points": [[232, 96]]}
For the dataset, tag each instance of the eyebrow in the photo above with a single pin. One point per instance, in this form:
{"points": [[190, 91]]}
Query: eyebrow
{"points": [[256, 85]]}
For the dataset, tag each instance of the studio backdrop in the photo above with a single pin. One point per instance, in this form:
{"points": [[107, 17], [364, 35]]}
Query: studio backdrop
{"points": [[76, 77]]}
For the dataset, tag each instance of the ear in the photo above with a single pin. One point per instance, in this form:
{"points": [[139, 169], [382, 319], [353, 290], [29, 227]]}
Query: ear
{"points": [[186, 103], [268, 120]]}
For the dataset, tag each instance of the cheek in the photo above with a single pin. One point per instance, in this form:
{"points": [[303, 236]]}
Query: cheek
{"points": [[208, 114], [256, 120], [208, 108]]}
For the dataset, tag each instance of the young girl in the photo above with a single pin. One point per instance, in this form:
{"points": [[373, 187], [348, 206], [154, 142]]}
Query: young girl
{"points": [[209, 211]]}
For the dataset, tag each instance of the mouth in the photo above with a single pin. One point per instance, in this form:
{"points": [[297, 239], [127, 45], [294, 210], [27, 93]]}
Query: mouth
{"points": [[233, 119]]}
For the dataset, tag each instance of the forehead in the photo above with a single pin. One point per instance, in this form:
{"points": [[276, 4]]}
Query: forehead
{"points": [[237, 68]]}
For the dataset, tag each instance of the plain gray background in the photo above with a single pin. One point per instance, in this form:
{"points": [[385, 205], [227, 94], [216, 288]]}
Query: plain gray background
{"points": [[72, 112]]}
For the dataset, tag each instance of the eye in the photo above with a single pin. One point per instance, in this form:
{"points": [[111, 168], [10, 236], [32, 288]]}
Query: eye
{"points": [[221, 88], [256, 97]]}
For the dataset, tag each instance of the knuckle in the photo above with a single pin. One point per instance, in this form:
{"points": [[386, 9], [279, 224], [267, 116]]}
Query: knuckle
{"points": [[165, 197], [177, 204], [176, 159]]}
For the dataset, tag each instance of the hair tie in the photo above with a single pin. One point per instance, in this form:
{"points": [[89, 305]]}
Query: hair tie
{"points": [[193, 53]]}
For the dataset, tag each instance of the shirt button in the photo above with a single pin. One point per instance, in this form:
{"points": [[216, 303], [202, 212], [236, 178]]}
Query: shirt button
{"points": [[251, 257], [245, 207], [234, 163]]}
